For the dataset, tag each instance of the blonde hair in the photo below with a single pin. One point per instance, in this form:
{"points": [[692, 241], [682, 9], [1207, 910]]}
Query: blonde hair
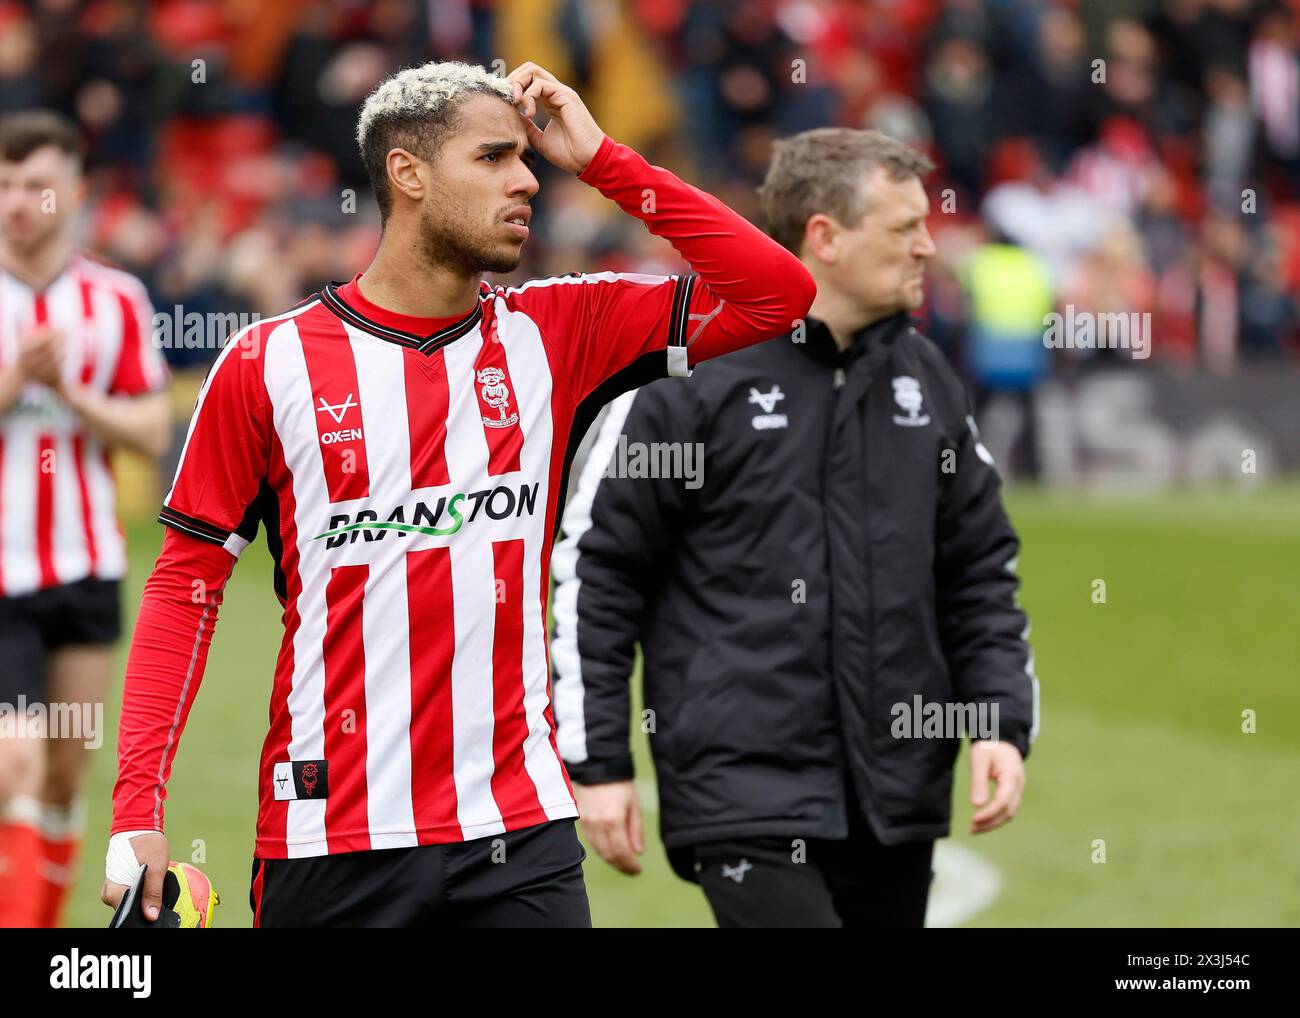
{"points": [[415, 109]]}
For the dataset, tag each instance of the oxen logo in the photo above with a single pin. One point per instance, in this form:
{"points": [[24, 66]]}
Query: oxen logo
{"points": [[339, 410], [496, 394], [766, 400]]}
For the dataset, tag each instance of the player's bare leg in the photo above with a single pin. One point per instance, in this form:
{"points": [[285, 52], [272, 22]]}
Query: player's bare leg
{"points": [[77, 676], [22, 773]]}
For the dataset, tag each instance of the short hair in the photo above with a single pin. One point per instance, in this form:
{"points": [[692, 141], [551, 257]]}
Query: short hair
{"points": [[824, 170], [416, 109], [23, 133]]}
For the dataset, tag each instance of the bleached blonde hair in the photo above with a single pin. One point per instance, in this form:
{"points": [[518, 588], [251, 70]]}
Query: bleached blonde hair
{"points": [[415, 109]]}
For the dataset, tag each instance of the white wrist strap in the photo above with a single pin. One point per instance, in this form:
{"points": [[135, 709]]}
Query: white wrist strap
{"points": [[120, 865]]}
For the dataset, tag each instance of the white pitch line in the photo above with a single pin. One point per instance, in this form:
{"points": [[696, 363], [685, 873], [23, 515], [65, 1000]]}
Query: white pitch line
{"points": [[965, 883]]}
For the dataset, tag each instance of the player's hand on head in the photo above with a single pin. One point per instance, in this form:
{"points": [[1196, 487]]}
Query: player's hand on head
{"points": [[150, 850], [1001, 764], [611, 820], [571, 136]]}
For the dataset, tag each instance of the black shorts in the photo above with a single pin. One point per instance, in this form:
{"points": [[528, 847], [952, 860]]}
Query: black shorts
{"points": [[529, 878], [809, 882], [85, 613]]}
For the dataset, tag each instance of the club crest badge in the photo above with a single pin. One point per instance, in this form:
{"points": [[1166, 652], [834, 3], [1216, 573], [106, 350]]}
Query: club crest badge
{"points": [[496, 394], [907, 394]]}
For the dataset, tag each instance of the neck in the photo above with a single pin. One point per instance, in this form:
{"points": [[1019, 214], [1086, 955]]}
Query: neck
{"points": [[41, 266], [442, 292], [842, 316]]}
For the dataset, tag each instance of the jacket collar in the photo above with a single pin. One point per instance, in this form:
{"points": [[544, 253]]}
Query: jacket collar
{"points": [[821, 345]]}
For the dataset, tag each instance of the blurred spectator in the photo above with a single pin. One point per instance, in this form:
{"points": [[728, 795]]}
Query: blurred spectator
{"points": [[1268, 311], [1060, 105], [960, 100], [1229, 132], [1146, 155], [1011, 293], [1112, 277], [1275, 95], [21, 86]]}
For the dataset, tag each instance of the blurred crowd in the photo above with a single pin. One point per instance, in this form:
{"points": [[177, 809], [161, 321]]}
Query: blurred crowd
{"points": [[1111, 156]]}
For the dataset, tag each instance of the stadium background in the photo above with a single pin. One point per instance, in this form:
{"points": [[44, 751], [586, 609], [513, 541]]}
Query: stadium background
{"points": [[223, 172]]}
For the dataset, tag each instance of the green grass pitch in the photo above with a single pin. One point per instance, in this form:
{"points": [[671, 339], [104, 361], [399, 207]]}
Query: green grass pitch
{"points": [[1141, 745]]}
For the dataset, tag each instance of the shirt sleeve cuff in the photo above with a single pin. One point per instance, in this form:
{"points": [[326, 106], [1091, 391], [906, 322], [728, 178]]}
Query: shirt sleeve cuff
{"points": [[203, 530], [598, 169]]}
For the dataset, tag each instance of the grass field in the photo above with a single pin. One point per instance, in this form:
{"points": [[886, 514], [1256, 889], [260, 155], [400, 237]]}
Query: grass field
{"points": [[1141, 743]]}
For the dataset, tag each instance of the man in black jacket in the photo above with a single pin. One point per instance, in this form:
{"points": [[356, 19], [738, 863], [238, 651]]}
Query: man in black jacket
{"points": [[808, 540]]}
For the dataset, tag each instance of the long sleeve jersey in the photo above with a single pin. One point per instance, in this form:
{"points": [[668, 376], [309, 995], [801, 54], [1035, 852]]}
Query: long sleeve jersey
{"points": [[409, 474]]}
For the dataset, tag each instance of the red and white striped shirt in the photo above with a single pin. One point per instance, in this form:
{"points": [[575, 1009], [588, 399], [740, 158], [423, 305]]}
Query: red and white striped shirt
{"points": [[409, 474], [58, 521]]}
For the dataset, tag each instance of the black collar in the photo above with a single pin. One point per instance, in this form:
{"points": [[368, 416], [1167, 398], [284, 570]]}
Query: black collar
{"points": [[334, 302], [821, 344]]}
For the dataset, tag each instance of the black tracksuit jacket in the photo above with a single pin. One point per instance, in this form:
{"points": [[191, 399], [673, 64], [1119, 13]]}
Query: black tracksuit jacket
{"points": [[845, 550]]}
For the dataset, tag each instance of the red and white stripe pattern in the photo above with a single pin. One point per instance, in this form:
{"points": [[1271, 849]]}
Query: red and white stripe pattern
{"points": [[414, 665], [58, 520]]}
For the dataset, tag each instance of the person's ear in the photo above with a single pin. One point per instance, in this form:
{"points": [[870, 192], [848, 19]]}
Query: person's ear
{"points": [[821, 238], [406, 173]]}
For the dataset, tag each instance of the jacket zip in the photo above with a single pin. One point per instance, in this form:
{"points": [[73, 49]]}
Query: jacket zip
{"points": [[847, 784], [861, 785]]}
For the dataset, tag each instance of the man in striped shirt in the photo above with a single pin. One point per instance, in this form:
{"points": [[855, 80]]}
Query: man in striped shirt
{"points": [[405, 439], [78, 375]]}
